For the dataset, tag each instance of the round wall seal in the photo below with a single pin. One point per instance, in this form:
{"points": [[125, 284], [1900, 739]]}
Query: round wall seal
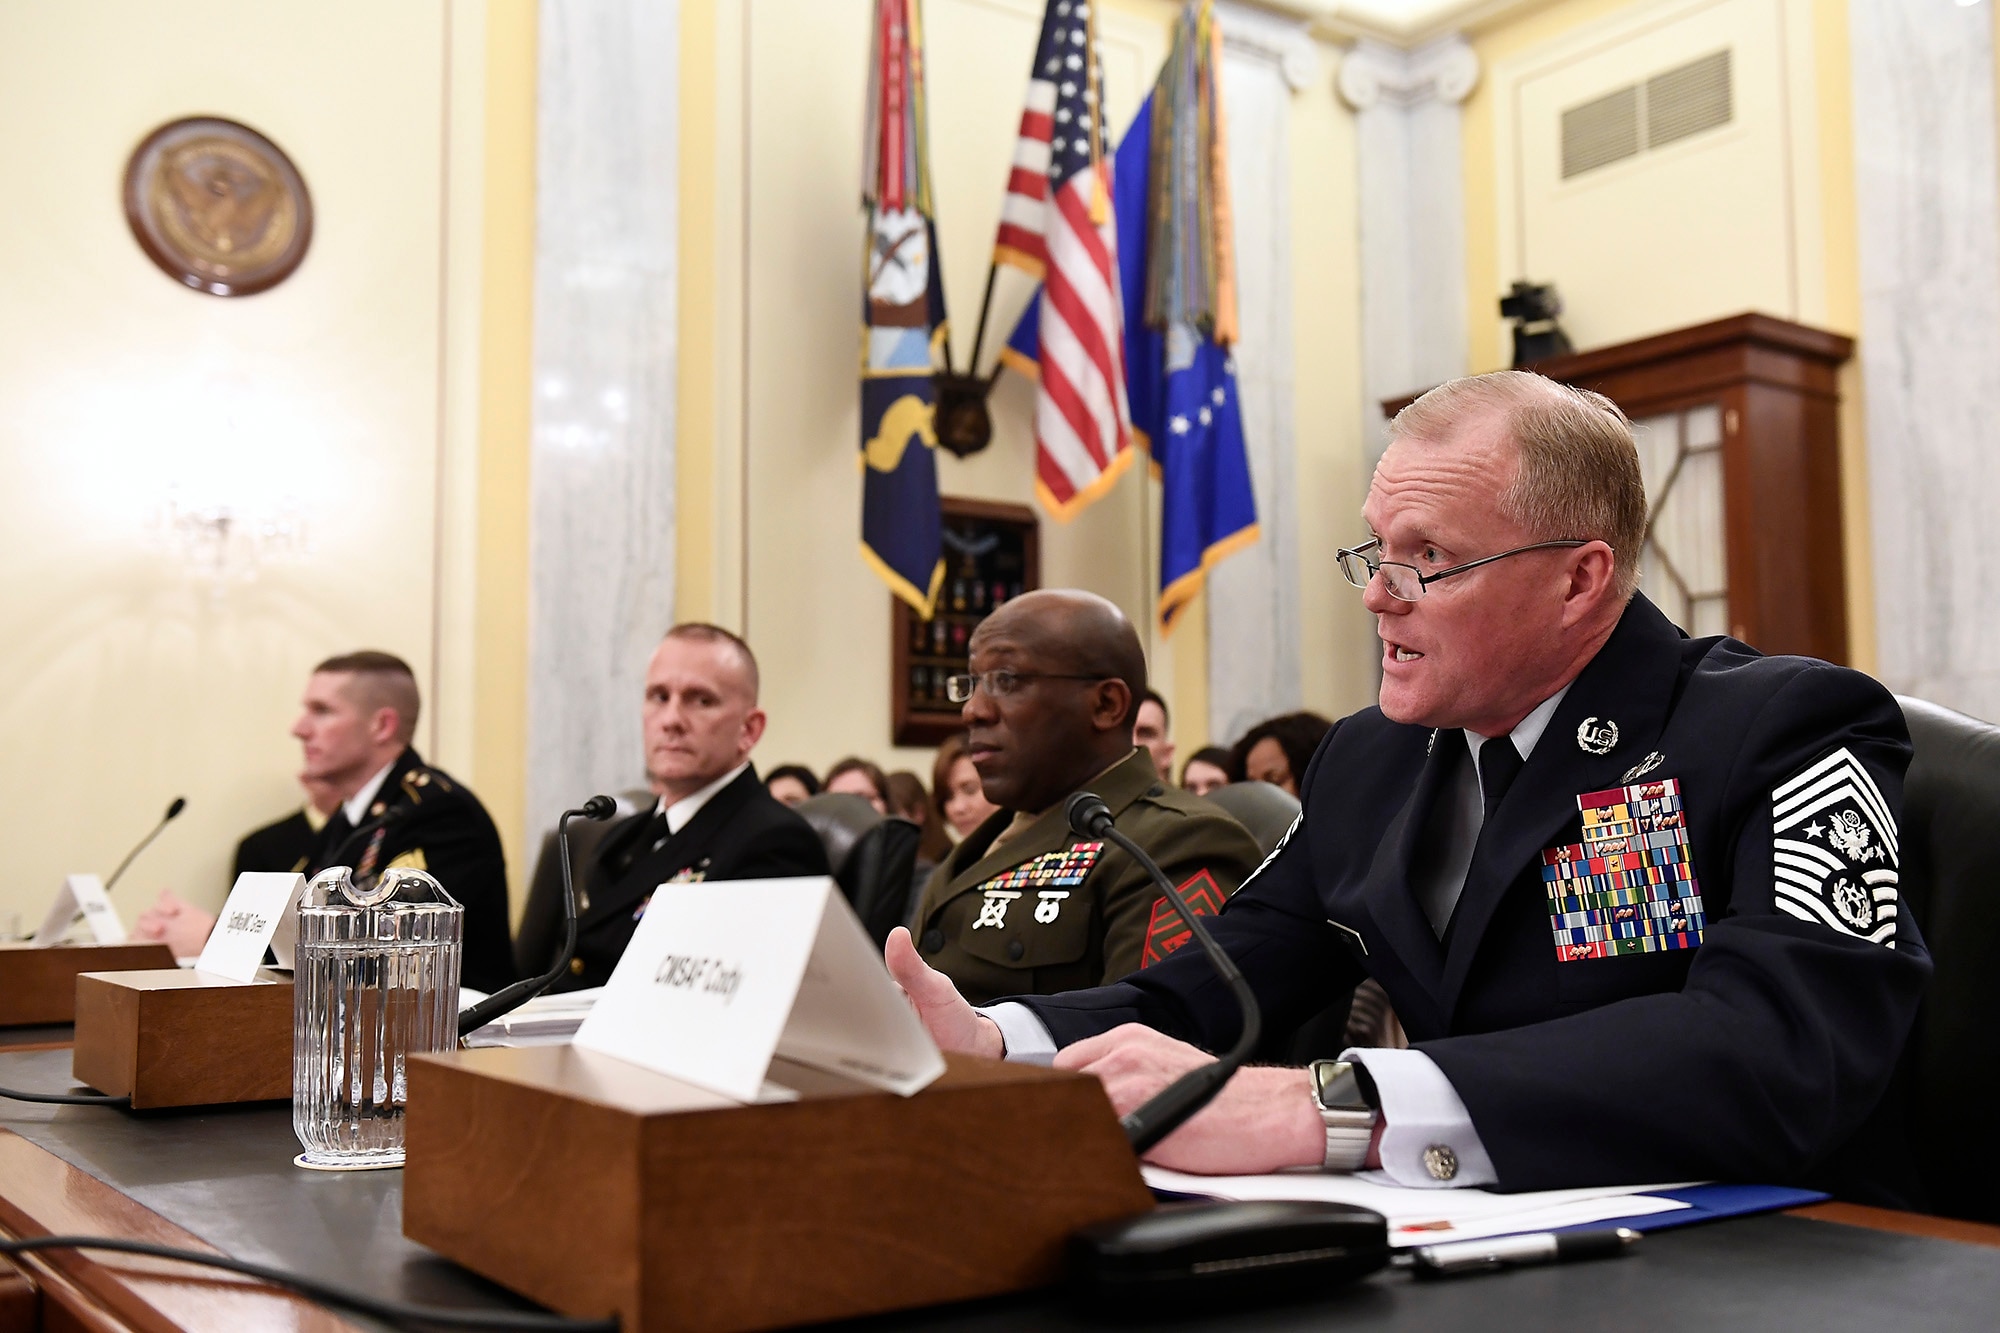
{"points": [[218, 206]]}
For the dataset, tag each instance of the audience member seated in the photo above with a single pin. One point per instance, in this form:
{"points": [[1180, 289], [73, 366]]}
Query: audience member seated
{"points": [[1023, 905], [388, 809], [712, 820], [860, 777], [791, 783], [955, 790], [1278, 749], [1207, 770], [908, 798], [1149, 733]]}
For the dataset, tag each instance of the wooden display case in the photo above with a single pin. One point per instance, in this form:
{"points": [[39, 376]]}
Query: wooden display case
{"points": [[992, 552]]}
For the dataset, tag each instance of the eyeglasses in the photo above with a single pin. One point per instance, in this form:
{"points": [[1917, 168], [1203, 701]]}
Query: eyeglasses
{"points": [[999, 684], [1406, 583]]}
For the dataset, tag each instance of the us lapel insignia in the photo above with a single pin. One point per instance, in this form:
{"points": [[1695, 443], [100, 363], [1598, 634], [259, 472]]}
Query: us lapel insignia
{"points": [[1595, 737], [1643, 767], [1835, 856], [1166, 932], [1629, 887]]}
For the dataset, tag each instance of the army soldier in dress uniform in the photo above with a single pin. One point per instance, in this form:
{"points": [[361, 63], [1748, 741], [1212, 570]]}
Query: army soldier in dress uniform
{"points": [[712, 819], [1023, 905], [1634, 896], [288, 843], [391, 809]]}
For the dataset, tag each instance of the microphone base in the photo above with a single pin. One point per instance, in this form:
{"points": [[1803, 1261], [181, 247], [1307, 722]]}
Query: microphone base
{"points": [[38, 986], [593, 1186], [176, 1037]]}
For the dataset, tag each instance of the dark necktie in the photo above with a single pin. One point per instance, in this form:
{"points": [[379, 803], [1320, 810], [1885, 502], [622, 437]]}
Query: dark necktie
{"points": [[647, 842], [1499, 764]]}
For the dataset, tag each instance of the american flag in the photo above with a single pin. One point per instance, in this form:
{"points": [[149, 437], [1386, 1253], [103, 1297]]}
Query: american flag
{"points": [[1057, 224]]}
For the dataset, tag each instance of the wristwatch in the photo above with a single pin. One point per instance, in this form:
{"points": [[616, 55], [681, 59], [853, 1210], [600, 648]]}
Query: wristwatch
{"points": [[1345, 1096]]}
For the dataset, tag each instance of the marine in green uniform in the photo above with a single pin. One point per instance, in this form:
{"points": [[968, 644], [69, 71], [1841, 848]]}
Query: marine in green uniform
{"points": [[1023, 905]]}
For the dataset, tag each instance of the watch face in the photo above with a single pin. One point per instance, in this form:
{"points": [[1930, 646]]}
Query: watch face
{"points": [[1337, 1087]]}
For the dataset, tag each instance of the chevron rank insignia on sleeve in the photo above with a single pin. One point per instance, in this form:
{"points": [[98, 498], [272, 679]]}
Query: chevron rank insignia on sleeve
{"points": [[1833, 843]]}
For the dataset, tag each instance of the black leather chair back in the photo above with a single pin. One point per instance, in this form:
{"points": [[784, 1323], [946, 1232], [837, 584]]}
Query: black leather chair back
{"points": [[1950, 844], [540, 935], [872, 856], [1266, 810]]}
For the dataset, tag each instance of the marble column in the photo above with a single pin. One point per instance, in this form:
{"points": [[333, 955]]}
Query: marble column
{"points": [[601, 518], [1929, 231], [1412, 216], [1253, 596]]}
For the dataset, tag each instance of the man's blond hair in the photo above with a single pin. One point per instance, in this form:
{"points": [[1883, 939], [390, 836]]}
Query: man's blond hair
{"points": [[1579, 468]]}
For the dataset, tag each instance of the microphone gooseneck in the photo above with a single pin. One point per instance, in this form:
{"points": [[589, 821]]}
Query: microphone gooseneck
{"points": [[173, 813], [506, 1000], [1163, 1112]]}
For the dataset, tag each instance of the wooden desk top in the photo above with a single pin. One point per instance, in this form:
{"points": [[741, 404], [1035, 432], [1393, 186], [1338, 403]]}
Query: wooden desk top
{"points": [[224, 1179]]}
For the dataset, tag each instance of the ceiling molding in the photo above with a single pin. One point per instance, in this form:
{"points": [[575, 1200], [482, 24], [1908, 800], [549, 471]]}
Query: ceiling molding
{"points": [[1349, 20]]}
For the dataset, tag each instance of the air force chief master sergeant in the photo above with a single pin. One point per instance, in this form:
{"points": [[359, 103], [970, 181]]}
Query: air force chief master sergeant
{"points": [[1634, 896]]}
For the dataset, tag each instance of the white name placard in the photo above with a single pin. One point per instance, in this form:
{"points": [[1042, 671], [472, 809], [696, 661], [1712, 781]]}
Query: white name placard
{"points": [[81, 895], [721, 977], [259, 911]]}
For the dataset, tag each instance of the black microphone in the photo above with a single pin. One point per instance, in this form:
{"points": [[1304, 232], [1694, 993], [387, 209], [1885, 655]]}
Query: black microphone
{"points": [[1182, 1254], [1164, 1111], [173, 813], [506, 1000]]}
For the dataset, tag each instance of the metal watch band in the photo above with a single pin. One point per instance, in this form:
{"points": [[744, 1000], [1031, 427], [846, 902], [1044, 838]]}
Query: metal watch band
{"points": [[1347, 1144]]}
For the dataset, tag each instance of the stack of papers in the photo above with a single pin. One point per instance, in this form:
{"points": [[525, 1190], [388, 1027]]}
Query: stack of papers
{"points": [[546, 1020], [1427, 1216]]}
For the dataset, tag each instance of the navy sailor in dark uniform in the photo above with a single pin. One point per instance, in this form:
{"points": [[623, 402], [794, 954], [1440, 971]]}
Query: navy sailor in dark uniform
{"points": [[712, 820], [1633, 895]]}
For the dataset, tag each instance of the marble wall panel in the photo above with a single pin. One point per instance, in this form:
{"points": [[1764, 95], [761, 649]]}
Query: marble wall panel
{"points": [[1406, 106], [601, 534], [1253, 596], [1929, 230]]}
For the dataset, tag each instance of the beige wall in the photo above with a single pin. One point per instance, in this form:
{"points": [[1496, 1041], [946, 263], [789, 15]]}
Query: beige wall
{"points": [[130, 676], [1757, 216]]}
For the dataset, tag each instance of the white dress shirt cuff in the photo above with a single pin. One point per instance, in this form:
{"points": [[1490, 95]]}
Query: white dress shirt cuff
{"points": [[1428, 1141], [1027, 1041]]}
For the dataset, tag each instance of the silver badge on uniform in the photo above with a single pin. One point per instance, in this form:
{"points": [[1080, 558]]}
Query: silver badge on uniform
{"points": [[993, 911], [1643, 767], [1050, 905], [1834, 850], [1595, 737]]}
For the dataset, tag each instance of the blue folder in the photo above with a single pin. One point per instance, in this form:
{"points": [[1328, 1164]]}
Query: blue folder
{"points": [[1708, 1203]]}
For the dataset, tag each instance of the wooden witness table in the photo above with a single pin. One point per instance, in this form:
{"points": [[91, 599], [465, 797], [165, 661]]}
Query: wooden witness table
{"points": [[224, 1180]]}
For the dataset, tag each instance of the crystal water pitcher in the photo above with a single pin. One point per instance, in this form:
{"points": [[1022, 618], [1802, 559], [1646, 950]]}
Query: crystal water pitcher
{"points": [[376, 982]]}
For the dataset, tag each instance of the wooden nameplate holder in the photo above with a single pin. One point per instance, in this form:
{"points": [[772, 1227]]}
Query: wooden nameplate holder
{"points": [[38, 986], [594, 1186], [177, 1037]]}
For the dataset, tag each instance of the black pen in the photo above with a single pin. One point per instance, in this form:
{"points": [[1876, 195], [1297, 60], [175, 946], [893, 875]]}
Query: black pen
{"points": [[1540, 1247]]}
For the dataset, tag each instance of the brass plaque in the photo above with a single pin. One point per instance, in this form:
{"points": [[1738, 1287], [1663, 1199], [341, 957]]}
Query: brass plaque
{"points": [[218, 206]]}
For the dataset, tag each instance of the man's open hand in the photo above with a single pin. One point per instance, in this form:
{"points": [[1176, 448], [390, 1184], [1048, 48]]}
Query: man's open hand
{"points": [[181, 926], [953, 1024], [1263, 1118]]}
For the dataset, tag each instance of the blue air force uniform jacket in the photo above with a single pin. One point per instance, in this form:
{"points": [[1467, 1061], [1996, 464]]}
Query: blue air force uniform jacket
{"points": [[1590, 1040]]}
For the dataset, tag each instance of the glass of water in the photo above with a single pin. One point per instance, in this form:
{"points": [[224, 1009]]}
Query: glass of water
{"points": [[376, 982]]}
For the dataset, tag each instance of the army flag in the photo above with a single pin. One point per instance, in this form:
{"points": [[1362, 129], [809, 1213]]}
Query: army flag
{"points": [[1171, 199], [903, 320]]}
